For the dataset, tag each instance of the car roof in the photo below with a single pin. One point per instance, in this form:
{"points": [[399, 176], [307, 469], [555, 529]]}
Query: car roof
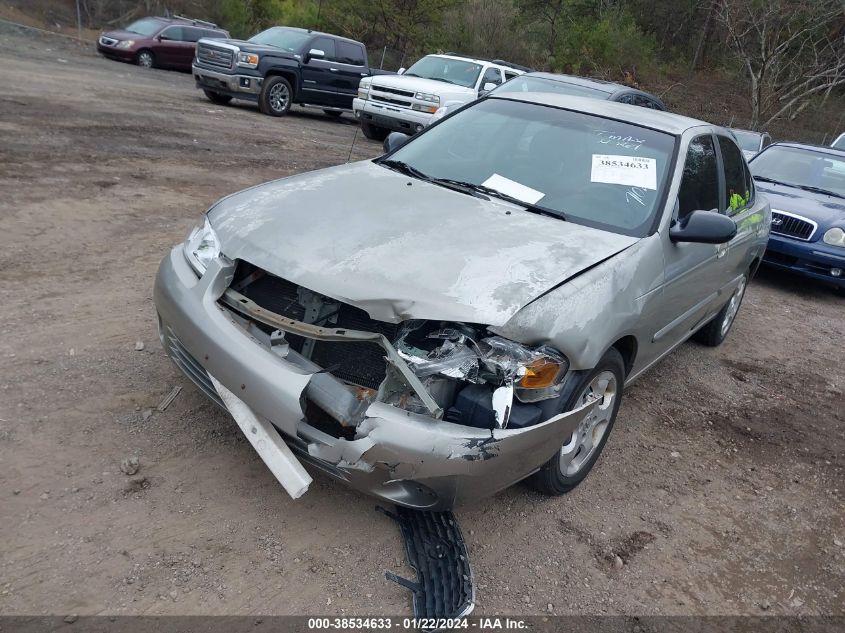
{"points": [[824, 149], [178, 19], [744, 131], [608, 87], [669, 122], [468, 58], [317, 33]]}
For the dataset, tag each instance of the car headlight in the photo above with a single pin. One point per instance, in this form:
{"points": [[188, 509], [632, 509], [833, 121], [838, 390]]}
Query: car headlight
{"points": [[834, 237], [421, 107], [201, 246], [461, 353], [248, 60], [423, 96], [364, 89], [125, 44]]}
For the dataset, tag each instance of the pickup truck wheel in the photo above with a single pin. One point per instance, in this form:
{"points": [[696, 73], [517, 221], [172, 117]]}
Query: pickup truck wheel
{"points": [[276, 96], [715, 332], [216, 97], [576, 458], [335, 114], [373, 132], [145, 59]]}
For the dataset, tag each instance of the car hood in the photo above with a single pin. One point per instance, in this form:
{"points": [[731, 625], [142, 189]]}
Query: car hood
{"points": [[420, 84], [125, 35], [259, 49], [822, 209], [401, 248]]}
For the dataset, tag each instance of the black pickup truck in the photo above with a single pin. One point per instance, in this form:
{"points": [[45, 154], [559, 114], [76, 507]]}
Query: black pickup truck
{"points": [[282, 66]]}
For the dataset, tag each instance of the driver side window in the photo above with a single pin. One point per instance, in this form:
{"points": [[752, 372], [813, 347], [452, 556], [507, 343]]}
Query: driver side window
{"points": [[700, 183]]}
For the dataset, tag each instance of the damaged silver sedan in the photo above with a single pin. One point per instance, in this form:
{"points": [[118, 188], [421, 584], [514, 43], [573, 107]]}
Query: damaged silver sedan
{"points": [[465, 311]]}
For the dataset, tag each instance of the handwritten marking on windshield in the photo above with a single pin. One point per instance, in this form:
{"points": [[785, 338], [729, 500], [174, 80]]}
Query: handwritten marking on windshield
{"points": [[628, 142], [635, 194]]}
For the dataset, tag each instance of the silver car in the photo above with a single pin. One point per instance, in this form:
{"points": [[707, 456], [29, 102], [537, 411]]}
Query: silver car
{"points": [[464, 312]]}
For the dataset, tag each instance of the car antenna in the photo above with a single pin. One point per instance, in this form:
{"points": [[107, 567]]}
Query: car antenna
{"points": [[351, 147]]}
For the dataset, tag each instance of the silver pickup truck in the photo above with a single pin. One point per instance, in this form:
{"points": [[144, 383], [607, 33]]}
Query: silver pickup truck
{"points": [[466, 311]]}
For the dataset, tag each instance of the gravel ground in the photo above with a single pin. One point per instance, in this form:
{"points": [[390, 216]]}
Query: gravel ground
{"points": [[720, 491]]}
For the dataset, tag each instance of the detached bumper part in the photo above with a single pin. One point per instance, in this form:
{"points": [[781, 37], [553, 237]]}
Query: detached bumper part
{"points": [[437, 553], [267, 443]]}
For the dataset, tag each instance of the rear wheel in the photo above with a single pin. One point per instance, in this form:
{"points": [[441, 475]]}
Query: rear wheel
{"points": [[276, 96], [576, 458], [715, 332], [216, 97], [374, 132], [145, 59]]}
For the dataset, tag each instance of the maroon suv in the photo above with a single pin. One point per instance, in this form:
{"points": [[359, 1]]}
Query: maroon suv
{"points": [[162, 42]]}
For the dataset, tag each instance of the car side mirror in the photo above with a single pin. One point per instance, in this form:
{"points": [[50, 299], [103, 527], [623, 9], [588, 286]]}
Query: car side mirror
{"points": [[705, 227], [487, 87], [394, 141], [314, 53], [401, 71]]}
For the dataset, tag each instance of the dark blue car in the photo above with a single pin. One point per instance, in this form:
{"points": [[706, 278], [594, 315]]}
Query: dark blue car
{"points": [[805, 185]]}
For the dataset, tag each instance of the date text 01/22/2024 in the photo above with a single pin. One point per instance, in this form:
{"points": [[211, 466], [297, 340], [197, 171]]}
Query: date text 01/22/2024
{"points": [[417, 624]]}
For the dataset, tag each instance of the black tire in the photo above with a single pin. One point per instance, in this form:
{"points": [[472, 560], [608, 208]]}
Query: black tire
{"points": [[276, 96], [334, 114], [551, 478], [374, 132], [145, 58], [716, 331], [216, 97]]}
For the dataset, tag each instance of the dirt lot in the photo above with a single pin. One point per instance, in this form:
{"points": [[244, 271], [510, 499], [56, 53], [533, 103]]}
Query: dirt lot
{"points": [[721, 489]]}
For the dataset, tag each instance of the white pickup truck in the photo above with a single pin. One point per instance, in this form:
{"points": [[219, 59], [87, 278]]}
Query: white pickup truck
{"points": [[405, 102]]}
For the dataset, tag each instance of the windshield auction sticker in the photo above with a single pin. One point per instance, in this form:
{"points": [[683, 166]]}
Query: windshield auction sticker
{"points": [[632, 171]]}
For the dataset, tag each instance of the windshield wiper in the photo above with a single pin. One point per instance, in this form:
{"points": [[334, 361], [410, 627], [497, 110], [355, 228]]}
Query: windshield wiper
{"points": [[531, 208], [404, 168], [772, 180], [826, 192]]}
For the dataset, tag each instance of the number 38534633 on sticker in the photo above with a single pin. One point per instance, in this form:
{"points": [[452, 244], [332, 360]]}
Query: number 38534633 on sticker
{"points": [[633, 171]]}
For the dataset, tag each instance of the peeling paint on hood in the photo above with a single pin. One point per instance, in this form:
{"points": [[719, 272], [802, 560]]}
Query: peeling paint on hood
{"points": [[400, 248]]}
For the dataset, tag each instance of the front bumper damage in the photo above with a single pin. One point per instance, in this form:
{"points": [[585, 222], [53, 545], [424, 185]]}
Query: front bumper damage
{"points": [[410, 459]]}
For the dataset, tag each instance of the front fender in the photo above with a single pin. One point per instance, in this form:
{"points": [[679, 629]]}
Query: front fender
{"points": [[585, 315]]}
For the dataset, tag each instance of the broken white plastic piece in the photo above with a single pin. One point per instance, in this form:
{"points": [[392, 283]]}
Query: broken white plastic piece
{"points": [[513, 188], [634, 171], [502, 404], [267, 443]]}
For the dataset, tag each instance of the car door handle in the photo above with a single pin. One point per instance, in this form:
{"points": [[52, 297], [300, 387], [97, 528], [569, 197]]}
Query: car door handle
{"points": [[334, 70]]}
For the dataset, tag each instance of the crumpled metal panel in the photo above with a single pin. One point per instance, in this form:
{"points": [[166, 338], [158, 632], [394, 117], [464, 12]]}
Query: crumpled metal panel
{"points": [[400, 248]]}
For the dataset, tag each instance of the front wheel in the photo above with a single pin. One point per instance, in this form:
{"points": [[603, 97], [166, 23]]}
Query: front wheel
{"points": [[276, 96], [570, 465], [374, 132], [714, 333], [216, 97], [145, 59]]}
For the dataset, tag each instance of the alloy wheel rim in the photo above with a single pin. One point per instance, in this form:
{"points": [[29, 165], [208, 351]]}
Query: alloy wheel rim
{"points": [[733, 307], [603, 390], [279, 97], [145, 60]]}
